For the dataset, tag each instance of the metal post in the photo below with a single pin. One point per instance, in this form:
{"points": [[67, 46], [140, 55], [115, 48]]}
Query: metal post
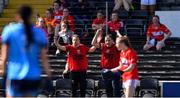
{"points": [[106, 17]]}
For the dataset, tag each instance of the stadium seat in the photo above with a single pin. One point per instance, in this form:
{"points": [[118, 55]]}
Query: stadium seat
{"points": [[46, 87], [148, 87], [175, 8], [123, 14], [148, 94], [135, 24], [134, 31], [63, 88], [164, 8], [177, 1], [138, 14], [78, 25], [79, 31], [90, 88], [101, 92], [90, 30]]}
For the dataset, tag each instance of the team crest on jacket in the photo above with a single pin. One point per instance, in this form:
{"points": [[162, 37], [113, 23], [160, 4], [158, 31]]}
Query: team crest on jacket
{"points": [[124, 62]]}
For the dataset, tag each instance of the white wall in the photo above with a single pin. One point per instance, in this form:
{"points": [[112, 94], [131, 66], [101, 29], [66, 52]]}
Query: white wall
{"points": [[172, 20]]}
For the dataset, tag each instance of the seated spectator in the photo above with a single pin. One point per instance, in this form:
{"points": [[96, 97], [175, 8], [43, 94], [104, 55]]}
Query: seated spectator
{"points": [[148, 5], [57, 12], [66, 18], [115, 25], [65, 35], [49, 21], [99, 22], [157, 33], [126, 3]]}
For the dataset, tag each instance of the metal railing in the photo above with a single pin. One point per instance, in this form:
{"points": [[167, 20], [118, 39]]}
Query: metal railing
{"points": [[3, 4]]}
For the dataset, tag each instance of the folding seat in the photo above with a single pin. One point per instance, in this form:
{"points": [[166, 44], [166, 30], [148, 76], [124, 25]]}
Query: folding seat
{"points": [[79, 31], [149, 87], [164, 8], [63, 88], [123, 14], [177, 1], [175, 8], [46, 87], [139, 14], [90, 88], [136, 25], [101, 92]]}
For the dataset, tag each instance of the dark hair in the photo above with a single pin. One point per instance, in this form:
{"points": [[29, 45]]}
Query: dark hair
{"points": [[25, 12], [66, 8], [58, 2], [50, 10], [157, 18], [67, 24], [115, 12], [75, 35], [100, 11], [109, 35], [125, 40]]}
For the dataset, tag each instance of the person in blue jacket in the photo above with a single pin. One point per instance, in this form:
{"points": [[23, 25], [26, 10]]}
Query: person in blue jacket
{"points": [[22, 45]]}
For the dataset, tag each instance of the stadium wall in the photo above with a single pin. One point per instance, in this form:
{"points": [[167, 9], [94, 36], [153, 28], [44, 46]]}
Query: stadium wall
{"points": [[172, 20]]}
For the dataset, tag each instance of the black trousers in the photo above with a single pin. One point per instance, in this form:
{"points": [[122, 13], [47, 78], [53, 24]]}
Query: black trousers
{"points": [[78, 81]]}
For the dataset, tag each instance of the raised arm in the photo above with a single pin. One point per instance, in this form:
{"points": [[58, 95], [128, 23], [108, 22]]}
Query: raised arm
{"points": [[118, 33], [63, 48], [94, 41], [92, 49]]}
